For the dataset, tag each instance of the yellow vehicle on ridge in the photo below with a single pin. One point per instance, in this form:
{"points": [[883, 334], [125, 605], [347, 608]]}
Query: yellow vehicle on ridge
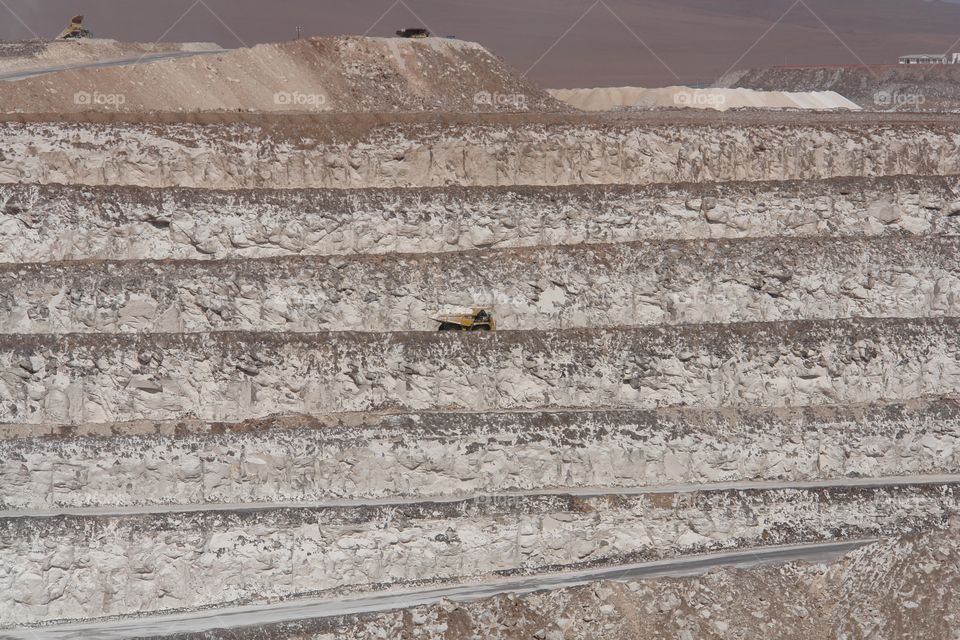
{"points": [[478, 319], [415, 33], [75, 31]]}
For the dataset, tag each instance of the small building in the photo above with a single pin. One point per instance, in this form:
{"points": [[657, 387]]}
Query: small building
{"points": [[925, 58]]}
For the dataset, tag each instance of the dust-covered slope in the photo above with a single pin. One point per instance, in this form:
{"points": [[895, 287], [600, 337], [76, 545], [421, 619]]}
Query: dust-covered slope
{"points": [[345, 74]]}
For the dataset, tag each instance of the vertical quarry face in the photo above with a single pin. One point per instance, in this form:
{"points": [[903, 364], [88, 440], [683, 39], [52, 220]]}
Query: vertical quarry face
{"points": [[359, 152], [227, 377], [431, 456], [48, 223], [616, 285], [221, 383]]}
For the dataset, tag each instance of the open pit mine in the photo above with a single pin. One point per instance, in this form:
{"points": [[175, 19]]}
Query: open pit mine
{"points": [[721, 399]]}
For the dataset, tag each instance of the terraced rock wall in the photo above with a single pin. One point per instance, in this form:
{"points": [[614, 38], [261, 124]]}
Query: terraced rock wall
{"points": [[218, 396], [854, 597]]}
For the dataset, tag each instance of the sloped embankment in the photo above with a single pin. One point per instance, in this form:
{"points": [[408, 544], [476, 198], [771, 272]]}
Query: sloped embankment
{"points": [[855, 597], [317, 458], [343, 74]]}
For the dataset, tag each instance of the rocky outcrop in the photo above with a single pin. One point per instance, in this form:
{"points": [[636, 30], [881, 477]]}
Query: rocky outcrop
{"points": [[71, 567], [433, 455], [233, 376], [533, 151], [542, 288], [41, 223]]}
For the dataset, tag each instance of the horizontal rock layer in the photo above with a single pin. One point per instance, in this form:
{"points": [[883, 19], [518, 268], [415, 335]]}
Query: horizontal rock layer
{"points": [[479, 152], [299, 458], [542, 288], [233, 376], [40, 223], [70, 567]]}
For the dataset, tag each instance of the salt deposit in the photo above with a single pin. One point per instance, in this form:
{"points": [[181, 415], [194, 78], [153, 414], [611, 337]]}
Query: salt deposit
{"points": [[607, 99]]}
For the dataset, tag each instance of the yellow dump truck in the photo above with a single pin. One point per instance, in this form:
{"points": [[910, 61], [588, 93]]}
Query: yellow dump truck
{"points": [[477, 319], [75, 31]]}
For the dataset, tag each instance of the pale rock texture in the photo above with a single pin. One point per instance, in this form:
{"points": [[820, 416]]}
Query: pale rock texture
{"points": [[71, 567], [544, 288], [43, 223], [233, 376], [428, 456], [535, 151]]}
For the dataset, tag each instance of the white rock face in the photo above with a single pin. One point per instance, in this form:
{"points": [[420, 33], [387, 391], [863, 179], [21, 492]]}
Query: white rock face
{"points": [[426, 456], [89, 567], [230, 377], [50, 223], [545, 288], [547, 153]]}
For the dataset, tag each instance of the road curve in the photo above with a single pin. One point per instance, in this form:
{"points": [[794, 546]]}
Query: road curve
{"points": [[259, 615], [583, 492], [120, 62]]}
